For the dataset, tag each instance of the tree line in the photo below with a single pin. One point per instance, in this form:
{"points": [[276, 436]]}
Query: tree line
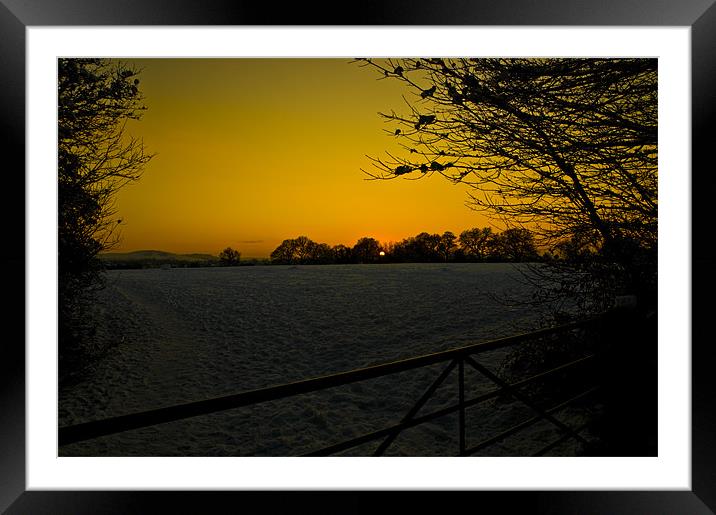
{"points": [[472, 245]]}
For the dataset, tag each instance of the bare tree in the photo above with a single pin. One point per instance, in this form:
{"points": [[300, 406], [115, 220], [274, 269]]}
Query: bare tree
{"points": [[565, 147], [230, 257], [446, 246], [342, 254], [96, 157], [301, 250], [475, 242], [304, 249], [366, 250], [285, 253], [514, 244]]}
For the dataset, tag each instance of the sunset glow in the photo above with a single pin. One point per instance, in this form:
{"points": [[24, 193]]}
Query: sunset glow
{"points": [[250, 152]]}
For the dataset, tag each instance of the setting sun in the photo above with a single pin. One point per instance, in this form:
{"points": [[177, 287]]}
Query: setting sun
{"points": [[250, 152]]}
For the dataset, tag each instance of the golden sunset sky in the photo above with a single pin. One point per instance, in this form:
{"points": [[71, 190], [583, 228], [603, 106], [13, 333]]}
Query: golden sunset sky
{"points": [[250, 152]]}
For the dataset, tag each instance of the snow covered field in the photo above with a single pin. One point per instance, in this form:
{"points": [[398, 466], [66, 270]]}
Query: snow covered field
{"points": [[182, 335]]}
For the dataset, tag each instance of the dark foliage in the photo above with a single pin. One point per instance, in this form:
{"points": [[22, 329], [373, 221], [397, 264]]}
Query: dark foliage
{"points": [[96, 157]]}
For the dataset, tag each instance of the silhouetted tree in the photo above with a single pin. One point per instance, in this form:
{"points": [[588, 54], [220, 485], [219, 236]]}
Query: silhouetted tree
{"points": [[421, 248], [425, 247], [397, 251], [366, 250], [577, 249], [229, 257], [564, 146], [322, 254], [302, 250], [96, 157], [342, 254], [446, 245], [474, 242], [514, 244], [284, 254]]}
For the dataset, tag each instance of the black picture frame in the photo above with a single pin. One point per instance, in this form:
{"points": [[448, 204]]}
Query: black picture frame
{"points": [[16, 15]]}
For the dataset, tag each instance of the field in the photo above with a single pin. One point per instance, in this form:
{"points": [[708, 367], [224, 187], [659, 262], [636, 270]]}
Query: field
{"points": [[182, 335]]}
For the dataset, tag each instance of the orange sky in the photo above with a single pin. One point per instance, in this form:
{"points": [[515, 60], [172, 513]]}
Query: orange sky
{"points": [[253, 151]]}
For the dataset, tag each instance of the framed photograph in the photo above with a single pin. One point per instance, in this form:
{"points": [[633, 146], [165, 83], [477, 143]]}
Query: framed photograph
{"points": [[259, 129]]}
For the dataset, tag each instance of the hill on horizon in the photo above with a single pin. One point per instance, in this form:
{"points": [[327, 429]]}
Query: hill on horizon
{"points": [[155, 255]]}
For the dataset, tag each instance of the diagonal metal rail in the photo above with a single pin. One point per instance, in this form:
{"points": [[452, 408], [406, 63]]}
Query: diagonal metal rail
{"points": [[524, 399], [414, 410], [529, 422], [98, 428]]}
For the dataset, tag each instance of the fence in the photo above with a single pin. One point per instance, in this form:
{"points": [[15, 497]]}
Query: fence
{"points": [[457, 358]]}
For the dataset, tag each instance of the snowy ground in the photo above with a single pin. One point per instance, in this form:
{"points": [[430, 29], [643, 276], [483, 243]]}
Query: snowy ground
{"points": [[182, 335]]}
